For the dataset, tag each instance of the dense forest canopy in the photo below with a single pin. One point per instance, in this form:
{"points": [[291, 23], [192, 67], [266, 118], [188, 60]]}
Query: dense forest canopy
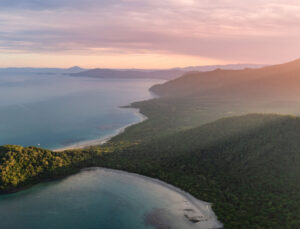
{"points": [[248, 166], [21, 166]]}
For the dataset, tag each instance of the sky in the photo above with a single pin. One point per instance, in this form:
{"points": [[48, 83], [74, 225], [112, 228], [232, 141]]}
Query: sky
{"points": [[147, 33]]}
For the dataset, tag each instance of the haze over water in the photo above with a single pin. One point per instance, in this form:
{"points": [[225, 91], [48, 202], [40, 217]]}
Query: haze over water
{"points": [[54, 111]]}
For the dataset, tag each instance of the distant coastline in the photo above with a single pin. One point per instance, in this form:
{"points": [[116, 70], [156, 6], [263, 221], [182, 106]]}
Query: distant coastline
{"points": [[106, 138]]}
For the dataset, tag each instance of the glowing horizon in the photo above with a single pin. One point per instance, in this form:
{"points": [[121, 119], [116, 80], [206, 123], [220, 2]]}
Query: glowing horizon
{"points": [[147, 34], [129, 61]]}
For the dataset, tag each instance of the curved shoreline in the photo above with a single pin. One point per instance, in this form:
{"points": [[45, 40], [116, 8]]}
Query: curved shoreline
{"points": [[201, 208], [104, 139]]}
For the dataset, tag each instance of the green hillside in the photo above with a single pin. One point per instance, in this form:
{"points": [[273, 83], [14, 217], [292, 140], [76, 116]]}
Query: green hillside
{"points": [[24, 166], [248, 166]]}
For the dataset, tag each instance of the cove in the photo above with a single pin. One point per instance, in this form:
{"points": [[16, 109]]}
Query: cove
{"points": [[107, 199]]}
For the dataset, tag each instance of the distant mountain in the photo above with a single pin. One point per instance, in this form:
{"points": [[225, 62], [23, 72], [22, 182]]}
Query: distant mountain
{"points": [[277, 82], [74, 69], [131, 74], [225, 67], [166, 74]]}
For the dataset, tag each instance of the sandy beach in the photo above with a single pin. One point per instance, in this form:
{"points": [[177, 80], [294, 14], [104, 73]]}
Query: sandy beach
{"points": [[185, 208], [104, 139], [191, 211]]}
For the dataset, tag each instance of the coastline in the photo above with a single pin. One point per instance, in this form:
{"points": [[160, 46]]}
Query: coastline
{"points": [[200, 209], [104, 139], [170, 216], [197, 204]]}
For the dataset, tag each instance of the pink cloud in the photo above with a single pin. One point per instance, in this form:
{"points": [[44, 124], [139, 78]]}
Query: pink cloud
{"points": [[257, 30]]}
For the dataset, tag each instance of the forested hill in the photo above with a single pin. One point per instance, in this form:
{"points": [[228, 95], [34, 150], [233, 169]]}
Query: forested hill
{"points": [[24, 166], [278, 81], [248, 166]]}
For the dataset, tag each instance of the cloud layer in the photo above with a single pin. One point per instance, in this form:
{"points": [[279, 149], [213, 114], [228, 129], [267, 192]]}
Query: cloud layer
{"points": [[230, 30]]}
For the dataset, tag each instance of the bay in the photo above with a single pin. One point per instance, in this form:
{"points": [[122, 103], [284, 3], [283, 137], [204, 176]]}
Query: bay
{"points": [[104, 199]]}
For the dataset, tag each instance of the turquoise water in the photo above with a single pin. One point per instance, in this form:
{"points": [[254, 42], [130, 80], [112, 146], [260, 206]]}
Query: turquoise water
{"points": [[54, 111], [96, 198]]}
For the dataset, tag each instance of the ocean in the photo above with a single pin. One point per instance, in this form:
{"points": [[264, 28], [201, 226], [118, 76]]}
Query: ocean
{"points": [[55, 111]]}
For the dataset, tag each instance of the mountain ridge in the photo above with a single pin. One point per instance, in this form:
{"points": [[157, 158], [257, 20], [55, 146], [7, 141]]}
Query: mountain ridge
{"points": [[165, 74], [281, 80]]}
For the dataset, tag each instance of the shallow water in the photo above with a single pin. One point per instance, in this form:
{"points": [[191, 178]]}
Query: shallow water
{"points": [[98, 198], [54, 111]]}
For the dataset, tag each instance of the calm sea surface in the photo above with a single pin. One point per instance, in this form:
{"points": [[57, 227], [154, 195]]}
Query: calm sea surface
{"points": [[54, 111], [97, 198]]}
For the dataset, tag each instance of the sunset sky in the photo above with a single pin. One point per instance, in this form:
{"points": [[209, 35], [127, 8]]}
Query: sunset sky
{"points": [[147, 33]]}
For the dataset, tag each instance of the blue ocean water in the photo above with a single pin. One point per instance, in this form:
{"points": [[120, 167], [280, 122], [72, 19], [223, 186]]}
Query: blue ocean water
{"points": [[97, 198], [54, 111]]}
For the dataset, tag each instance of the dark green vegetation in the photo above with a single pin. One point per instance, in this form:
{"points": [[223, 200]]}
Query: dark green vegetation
{"points": [[248, 166], [21, 166]]}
